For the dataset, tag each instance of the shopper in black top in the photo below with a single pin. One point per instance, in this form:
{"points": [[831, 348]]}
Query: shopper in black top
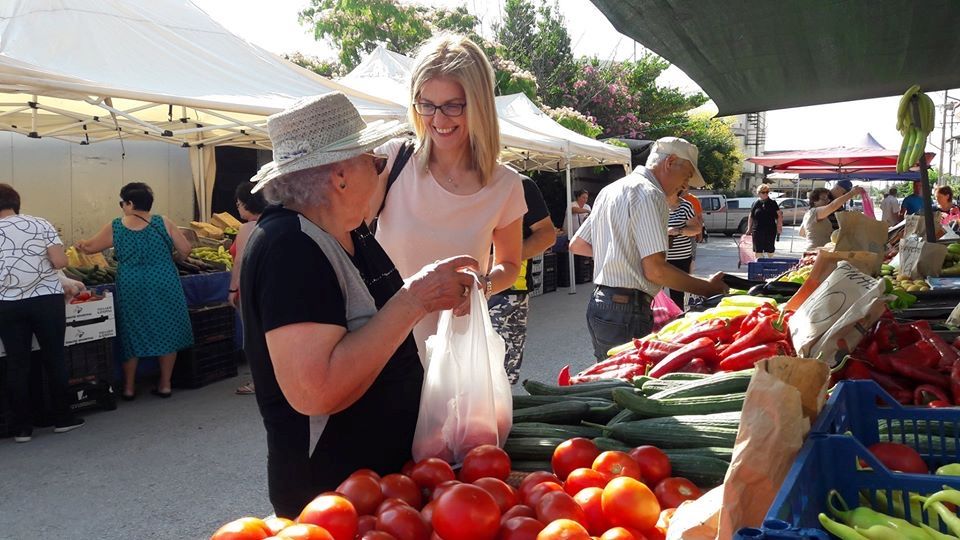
{"points": [[765, 223], [327, 318]]}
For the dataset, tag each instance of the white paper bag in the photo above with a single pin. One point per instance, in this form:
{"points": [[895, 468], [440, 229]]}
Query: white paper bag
{"points": [[466, 399], [911, 248]]}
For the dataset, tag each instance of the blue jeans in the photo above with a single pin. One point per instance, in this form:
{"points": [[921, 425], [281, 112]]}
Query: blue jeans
{"points": [[615, 316]]}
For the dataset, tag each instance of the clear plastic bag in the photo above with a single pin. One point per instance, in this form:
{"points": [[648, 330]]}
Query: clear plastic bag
{"points": [[466, 399]]}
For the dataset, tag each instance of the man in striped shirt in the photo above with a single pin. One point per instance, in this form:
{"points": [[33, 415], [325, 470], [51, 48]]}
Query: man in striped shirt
{"points": [[626, 234]]}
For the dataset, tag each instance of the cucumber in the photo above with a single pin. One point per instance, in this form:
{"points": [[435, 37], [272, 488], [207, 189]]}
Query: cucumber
{"points": [[623, 416], [721, 383], [603, 413], [726, 454], [540, 429], [627, 399], [676, 435], [563, 412], [706, 472], [638, 382], [531, 448], [530, 466], [658, 385], [537, 388], [684, 376], [606, 443], [523, 402]]}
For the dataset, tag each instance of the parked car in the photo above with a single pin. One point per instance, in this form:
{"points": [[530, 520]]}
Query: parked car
{"points": [[793, 210], [724, 216]]}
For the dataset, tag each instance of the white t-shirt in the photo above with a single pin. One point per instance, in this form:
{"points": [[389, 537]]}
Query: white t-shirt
{"points": [[578, 219], [25, 268]]}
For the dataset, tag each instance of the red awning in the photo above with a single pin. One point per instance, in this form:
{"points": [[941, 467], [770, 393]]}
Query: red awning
{"points": [[842, 159]]}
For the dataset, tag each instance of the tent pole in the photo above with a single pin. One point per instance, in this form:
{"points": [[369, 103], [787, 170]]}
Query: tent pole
{"points": [[571, 266], [794, 235], [203, 185], [927, 195]]}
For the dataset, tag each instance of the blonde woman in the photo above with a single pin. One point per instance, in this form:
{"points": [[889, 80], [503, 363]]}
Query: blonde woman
{"points": [[452, 197], [765, 223]]}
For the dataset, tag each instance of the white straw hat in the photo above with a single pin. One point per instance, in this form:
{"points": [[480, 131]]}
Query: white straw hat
{"points": [[682, 149], [320, 130]]}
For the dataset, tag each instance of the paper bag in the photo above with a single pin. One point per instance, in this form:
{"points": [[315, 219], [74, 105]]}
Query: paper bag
{"points": [[820, 326], [920, 259], [915, 224], [783, 400], [824, 265], [861, 233]]}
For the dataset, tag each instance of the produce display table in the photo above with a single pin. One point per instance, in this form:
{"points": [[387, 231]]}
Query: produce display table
{"points": [[199, 289]]}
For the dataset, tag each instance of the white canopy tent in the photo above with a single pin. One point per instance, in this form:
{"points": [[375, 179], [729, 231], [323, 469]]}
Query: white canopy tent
{"points": [[88, 71], [530, 140]]}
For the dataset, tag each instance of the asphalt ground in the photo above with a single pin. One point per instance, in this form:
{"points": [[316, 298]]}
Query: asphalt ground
{"points": [[178, 468]]}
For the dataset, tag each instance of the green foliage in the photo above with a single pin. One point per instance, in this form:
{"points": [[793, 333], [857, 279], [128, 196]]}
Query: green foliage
{"points": [[515, 33], [720, 160], [358, 26], [664, 108], [510, 79], [330, 69], [575, 121]]}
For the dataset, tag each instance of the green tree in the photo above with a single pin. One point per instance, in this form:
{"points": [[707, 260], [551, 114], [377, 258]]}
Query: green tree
{"points": [[664, 108], [330, 69], [551, 59], [720, 160], [515, 32], [355, 27]]}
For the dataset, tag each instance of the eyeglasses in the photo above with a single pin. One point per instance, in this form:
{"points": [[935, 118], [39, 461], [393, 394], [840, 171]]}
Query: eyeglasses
{"points": [[122, 203], [379, 163], [425, 108], [764, 192]]}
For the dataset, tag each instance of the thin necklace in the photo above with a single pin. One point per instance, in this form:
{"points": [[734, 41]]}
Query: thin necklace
{"points": [[449, 179]]}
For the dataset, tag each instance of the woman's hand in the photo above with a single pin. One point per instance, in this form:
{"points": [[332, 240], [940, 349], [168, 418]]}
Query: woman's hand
{"points": [[444, 284]]}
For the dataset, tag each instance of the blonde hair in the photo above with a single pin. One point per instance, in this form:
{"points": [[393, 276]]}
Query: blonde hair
{"points": [[761, 186], [459, 59]]}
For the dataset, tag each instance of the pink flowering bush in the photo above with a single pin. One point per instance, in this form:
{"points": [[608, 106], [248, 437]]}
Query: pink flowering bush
{"points": [[600, 91]]}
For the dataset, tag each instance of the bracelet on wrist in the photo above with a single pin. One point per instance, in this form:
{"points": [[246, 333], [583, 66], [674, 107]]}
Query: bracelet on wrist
{"points": [[234, 290]]}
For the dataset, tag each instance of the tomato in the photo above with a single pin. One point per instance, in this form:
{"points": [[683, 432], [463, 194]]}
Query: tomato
{"points": [[673, 491], [539, 491], [485, 460], [531, 480], [277, 524], [559, 505], [621, 533], [431, 472], [520, 510], [366, 523], [591, 501], [427, 511], [334, 513], [616, 463], [245, 528], [366, 472], [442, 488], [377, 535], [520, 528], [505, 495], [390, 503], [583, 478], [573, 454], [305, 531], [629, 503], [563, 529], [654, 464], [899, 457], [401, 487], [407, 467], [466, 512], [404, 523], [363, 491]]}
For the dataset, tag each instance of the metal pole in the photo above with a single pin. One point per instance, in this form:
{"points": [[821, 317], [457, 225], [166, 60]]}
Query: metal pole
{"points": [[572, 267], [943, 141]]}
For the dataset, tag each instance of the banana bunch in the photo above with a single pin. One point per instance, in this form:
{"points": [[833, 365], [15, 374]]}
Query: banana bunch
{"points": [[914, 122], [209, 254]]}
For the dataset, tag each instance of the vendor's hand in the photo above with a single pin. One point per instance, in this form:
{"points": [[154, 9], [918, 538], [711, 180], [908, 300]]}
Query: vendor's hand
{"points": [[859, 191], [444, 284], [717, 285], [234, 300], [71, 287]]}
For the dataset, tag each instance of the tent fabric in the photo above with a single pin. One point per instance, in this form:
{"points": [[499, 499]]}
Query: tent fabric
{"points": [[162, 70], [758, 55], [530, 139], [841, 160]]}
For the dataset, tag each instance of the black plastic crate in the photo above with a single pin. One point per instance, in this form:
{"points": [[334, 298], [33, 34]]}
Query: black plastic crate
{"points": [[212, 323], [90, 361], [204, 364], [582, 269]]}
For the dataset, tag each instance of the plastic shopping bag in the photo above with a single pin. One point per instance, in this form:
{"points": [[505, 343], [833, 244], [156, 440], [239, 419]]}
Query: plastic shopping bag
{"points": [[466, 399], [664, 310]]}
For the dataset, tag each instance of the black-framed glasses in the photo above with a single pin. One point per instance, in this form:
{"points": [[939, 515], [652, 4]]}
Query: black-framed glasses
{"points": [[425, 108], [764, 192], [379, 163], [122, 203]]}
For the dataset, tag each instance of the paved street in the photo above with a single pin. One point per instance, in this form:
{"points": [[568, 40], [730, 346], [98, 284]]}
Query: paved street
{"points": [[179, 468]]}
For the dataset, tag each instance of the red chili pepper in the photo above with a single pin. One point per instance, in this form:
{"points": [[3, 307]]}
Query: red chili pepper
{"points": [[711, 328], [746, 358], [701, 348], [697, 365], [897, 387], [855, 370], [948, 355], [926, 393], [768, 330], [563, 378], [627, 357], [920, 353], [955, 383], [750, 320], [655, 350], [625, 371], [884, 336], [905, 334], [937, 404], [907, 362]]}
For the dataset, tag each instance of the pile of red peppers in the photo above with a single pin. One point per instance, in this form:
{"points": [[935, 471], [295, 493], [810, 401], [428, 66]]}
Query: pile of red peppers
{"points": [[909, 360], [709, 346]]}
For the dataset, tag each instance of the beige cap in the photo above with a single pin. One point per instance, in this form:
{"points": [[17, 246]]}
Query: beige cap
{"points": [[682, 149]]}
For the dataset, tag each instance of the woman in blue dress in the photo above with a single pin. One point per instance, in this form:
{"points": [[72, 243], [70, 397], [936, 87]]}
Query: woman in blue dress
{"points": [[152, 317]]}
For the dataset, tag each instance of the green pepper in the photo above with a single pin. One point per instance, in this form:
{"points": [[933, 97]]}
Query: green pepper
{"points": [[840, 530], [878, 532], [947, 494], [949, 518], [935, 534], [952, 469], [865, 517]]}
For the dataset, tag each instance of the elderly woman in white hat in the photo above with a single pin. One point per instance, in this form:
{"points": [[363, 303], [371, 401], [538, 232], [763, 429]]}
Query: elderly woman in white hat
{"points": [[327, 317]]}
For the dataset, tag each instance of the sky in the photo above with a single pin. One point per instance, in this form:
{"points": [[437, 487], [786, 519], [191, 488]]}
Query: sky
{"points": [[276, 29]]}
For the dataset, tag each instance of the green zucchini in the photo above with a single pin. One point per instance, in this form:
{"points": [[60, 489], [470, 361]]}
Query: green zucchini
{"points": [[606, 443], [537, 388], [540, 429], [684, 376], [706, 472], [563, 412], [676, 435], [628, 399], [726, 454], [523, 402], [530, 466], [531, 448], [602, 413], [623, 416], [658, 385], [721, 383]]}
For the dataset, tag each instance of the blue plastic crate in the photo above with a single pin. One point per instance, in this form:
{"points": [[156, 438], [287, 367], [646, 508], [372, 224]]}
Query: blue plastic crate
{"points": [[765, 269], [828, 459]]}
